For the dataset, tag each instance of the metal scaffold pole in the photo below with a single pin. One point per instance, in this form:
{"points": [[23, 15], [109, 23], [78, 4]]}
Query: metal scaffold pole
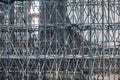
{"points": [[103, 44]]}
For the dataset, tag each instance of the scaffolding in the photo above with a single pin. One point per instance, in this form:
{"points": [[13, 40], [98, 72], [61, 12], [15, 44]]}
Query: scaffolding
{"points": [[59, 40]]}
